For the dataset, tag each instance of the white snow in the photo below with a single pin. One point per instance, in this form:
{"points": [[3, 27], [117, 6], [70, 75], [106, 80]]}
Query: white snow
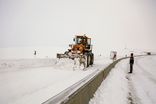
{"points": [[18, 64], [33, 81], [123, 88], [144, 79], [114, 89]]}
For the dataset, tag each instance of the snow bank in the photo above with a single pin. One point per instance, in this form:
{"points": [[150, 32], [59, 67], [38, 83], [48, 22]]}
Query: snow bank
{"points": [[62, 64], [16, 64]]}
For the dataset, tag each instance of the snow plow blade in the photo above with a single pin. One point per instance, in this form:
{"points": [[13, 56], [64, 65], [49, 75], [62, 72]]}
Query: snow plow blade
{"points": [[62, 56]]}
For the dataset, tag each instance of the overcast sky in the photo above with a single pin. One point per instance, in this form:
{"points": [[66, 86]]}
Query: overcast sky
{"points": [[112, 24]]}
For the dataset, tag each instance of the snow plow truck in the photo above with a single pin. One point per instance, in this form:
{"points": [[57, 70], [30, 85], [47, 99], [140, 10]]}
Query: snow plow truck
{"points": [[82, 48]]}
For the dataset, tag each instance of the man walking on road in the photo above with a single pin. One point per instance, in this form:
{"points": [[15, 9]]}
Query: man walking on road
{"points": [[131, 62]]}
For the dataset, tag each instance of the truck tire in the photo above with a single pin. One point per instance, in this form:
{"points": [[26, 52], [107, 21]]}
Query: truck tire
{"points": [[88, 60], [92, 59]]}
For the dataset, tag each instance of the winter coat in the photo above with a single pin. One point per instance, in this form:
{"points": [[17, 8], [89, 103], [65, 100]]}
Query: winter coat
{"points": [[131, 61]]}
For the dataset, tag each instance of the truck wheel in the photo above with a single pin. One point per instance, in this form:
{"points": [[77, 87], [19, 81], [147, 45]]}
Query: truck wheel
{"points": [[88, 60], [92, 59]]}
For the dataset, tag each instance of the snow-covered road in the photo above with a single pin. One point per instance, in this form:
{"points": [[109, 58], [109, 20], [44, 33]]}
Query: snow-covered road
{"points": [[123, 88], [27, 81], [143, 80]]}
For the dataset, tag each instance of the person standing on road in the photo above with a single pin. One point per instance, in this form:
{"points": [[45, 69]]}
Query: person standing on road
{"points": [[131, 62], [35, 52]]}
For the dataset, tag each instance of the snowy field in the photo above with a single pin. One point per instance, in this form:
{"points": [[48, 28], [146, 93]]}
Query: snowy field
{"points": [[120, 87], [33, 81]]}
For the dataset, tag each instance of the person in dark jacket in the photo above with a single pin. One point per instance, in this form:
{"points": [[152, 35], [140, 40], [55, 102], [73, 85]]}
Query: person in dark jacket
{"points": [[35, 53], [131, 62]]}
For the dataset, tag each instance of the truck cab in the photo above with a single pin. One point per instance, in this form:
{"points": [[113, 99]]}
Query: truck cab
{"points": [[85, 41]]}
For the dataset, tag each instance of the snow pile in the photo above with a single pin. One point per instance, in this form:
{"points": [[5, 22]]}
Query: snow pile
{"points": [[113, 89], [19, 64], [64, 64], [15, 64]]}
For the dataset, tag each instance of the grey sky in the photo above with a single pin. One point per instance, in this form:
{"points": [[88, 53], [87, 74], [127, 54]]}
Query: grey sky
{"points": [[112, 24]]}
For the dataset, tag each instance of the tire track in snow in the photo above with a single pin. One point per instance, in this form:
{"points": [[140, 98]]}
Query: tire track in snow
{"points": [[132, 97], [145, 76], [139, 83], [146, 73]]}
